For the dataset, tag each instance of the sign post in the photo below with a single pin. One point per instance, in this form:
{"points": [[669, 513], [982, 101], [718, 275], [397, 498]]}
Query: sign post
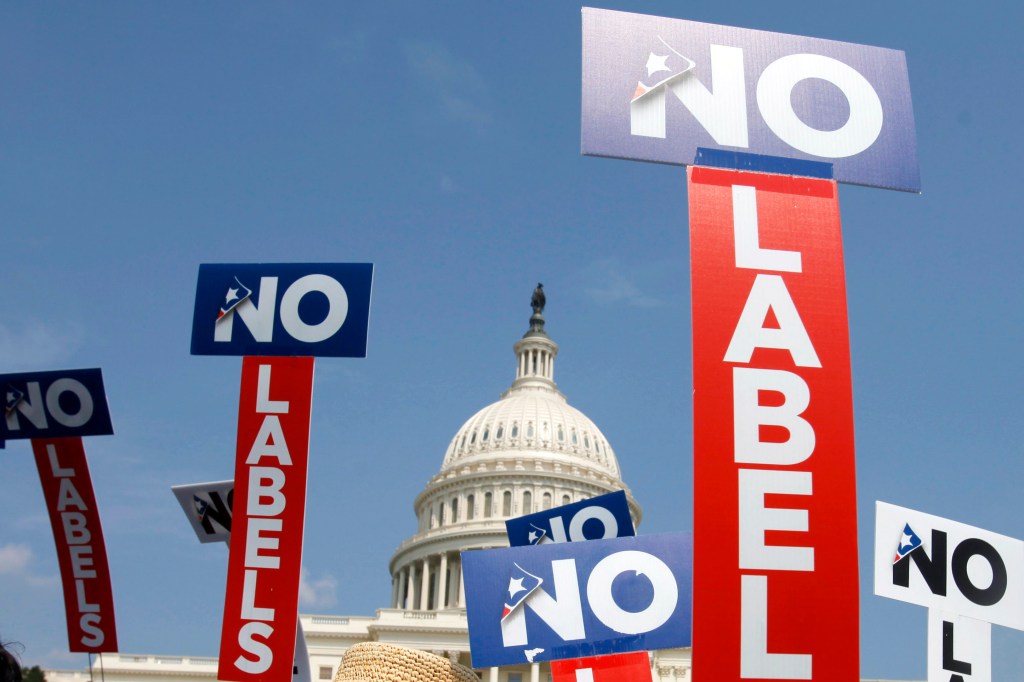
{"points": [[278, 317], [55, 409]]}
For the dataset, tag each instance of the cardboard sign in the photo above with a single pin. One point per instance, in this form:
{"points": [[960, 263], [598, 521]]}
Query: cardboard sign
{"points": [[634, 667], [66, 403], [81, 552], [207, 507], [656, 89], [261, 605], [959, 648], [948, 566], [604, 516], [578, 599], [295, 309], [775, 509]]}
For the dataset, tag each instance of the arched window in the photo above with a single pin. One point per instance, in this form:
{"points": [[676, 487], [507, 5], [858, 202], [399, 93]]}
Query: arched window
{"points": [[547, 501], [500, 433], [487, 433], [527, 502], [440, 516], [488, 506], [566, 500], [561, 434], [455, 510], [515, 429], [506, 504], [470, 507], [529, 430]]}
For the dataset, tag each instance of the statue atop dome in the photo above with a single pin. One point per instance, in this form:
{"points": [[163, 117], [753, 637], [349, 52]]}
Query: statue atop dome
{"points": [[538, 300]]}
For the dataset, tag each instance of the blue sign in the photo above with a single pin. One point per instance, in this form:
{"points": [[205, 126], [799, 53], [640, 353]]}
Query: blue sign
{"points": [[605, 516], [656, 89], [303, 309], [57, 404], [578, 599]]}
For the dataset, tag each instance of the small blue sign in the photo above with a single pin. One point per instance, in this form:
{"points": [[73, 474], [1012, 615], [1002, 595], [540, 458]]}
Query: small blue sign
{"points": [[56, 404], [578, 599], [297, 309], [602, 517]]}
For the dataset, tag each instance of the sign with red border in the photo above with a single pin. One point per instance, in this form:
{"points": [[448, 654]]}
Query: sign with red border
{"points": [[632, 667], [775, 572]]}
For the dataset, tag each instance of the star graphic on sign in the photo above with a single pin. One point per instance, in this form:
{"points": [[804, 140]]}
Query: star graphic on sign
{"points": [[10, 397], [906, 540], [656, 63], [232, 295], [515, 586], [533, 534]]}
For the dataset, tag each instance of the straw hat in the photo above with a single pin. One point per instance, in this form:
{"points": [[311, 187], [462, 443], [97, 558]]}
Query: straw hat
{"points": [[378, 662]]}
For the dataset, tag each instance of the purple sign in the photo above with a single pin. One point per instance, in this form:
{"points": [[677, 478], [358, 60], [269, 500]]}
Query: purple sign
{"points": [[656, 89]]}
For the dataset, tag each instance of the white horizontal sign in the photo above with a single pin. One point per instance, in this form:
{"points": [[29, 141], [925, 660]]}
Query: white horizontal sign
{"points": [[949, 566]]}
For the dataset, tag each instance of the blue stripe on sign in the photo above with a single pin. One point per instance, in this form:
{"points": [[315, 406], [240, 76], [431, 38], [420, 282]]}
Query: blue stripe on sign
{"points": [[759, 163]]}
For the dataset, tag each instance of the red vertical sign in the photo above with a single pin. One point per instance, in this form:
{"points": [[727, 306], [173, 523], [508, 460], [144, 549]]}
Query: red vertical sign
{"points": [[261, 604], [81, 552], [632, 667], [775, 539]]}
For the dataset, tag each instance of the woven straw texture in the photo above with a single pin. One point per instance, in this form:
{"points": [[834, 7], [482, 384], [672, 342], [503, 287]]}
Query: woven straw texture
{"points": [[378, 662]]}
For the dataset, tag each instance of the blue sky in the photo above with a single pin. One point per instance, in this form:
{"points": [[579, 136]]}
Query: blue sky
{"points": [[441, 142]]}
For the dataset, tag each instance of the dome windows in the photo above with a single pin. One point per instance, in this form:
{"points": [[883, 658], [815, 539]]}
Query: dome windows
{"points": [[500, 433], [561, 434], [487, 434], [529, 430], [470, 507], [515, 430]]}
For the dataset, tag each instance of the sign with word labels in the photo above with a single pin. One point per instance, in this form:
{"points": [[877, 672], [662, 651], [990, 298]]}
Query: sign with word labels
{"points": [[596, 518], [207, 507], [66, 403], [578, 599], [959, 648], [78, 535], [656, 89], [775, 513], [296, 309], [261, 604]]}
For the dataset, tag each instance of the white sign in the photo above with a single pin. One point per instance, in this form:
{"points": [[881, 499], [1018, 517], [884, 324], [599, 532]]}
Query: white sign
{"points": [[949, 566], [959, 648]]}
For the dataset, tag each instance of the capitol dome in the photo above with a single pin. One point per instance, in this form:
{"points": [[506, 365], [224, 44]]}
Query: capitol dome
{"points": [[529, 451]]}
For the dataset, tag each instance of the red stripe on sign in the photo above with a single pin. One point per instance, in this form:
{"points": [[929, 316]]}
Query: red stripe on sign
{"points": [[631, 667], [81, 552], [775, 530], [261, 603]]}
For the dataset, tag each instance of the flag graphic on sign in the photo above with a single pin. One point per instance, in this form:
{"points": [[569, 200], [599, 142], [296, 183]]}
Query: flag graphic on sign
{"points": [[673, 63], [201, 507], [13, 397], [909, 541], [538, 535], [234, 297], [521, 585]]}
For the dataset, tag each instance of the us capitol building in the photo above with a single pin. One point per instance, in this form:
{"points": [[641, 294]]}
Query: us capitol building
{"points": [[529, 451]]}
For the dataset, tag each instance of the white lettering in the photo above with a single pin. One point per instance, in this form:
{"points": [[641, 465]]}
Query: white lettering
{"points": [[749, 415], [67, 496], [722, 113], [254, 542], [83, 605], [89, 623], [85, 404], [31, 406], [269, 442], [75, 532], [55, 467], [564, 616], [755, 661], [774, 99], [769, 293], [259, 320], [81, 559], [258, 491], [263, 653], [746, 236], [337, 301], [756, 519], [249, 609], [264, 405], [607, 519], [602, 601]]}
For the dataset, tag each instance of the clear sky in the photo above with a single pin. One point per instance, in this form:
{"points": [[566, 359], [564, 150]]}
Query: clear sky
{"points": [[441, 142]]}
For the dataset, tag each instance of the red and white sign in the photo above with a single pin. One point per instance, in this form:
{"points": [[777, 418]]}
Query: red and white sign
{"points": [[775, 592], [81, 553], [631, 667], [261, 604]]}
